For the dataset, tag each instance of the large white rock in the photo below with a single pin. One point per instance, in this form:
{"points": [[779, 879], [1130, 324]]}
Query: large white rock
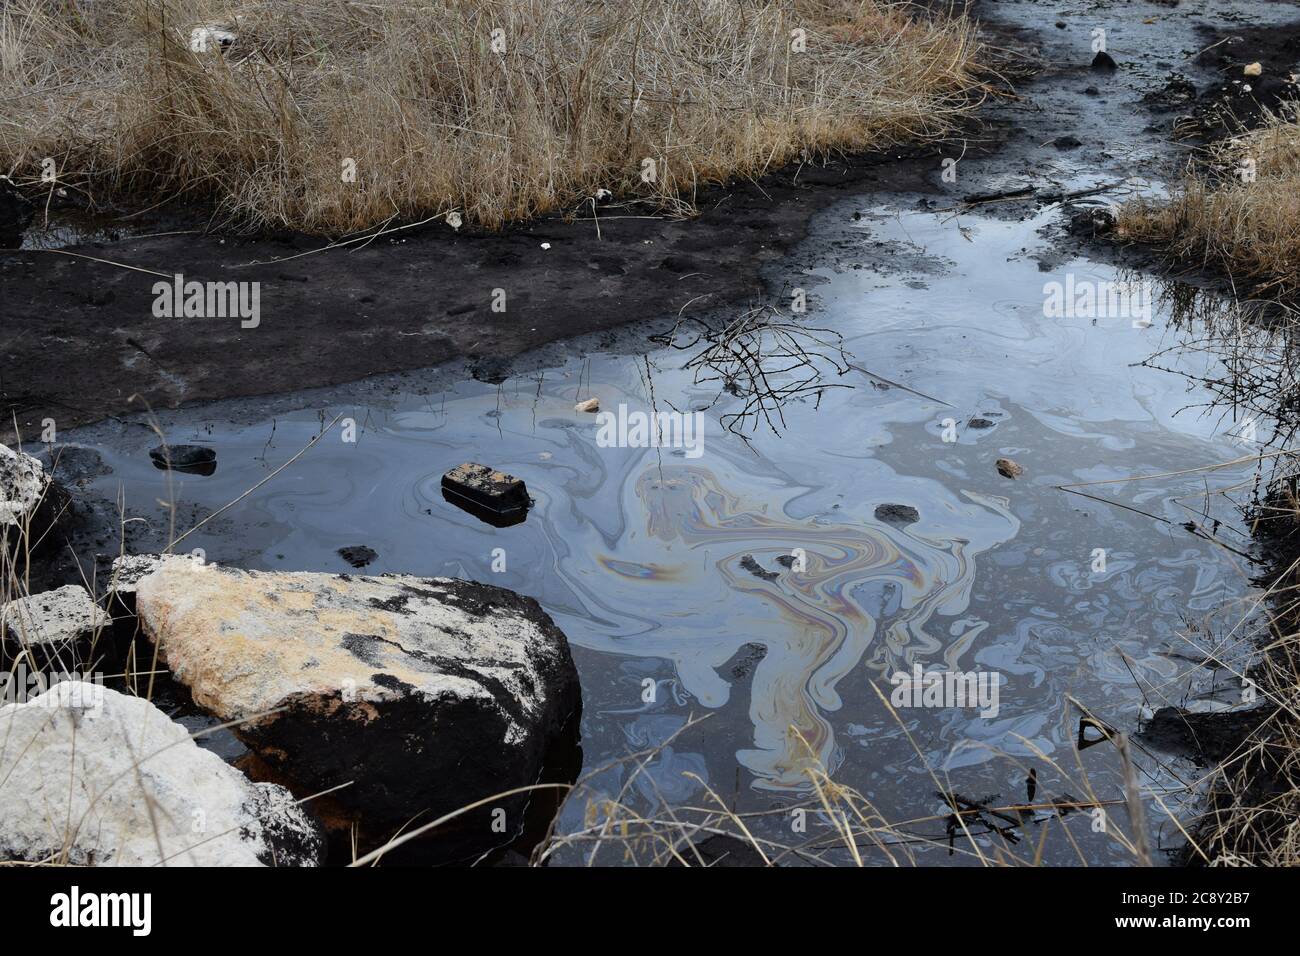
{"points": [[128, 570], [423, 694], [104, 779]]}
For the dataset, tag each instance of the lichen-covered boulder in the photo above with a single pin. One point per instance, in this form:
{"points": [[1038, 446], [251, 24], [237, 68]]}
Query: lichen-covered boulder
{"points": [[89, 776], [422, 694]]}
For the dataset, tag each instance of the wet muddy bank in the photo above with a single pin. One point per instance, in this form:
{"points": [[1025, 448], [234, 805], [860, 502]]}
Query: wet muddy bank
{"points": [[412, 299]]}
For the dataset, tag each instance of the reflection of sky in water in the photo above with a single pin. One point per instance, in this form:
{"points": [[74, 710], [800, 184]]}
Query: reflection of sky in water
{"points": [[637, 553]]}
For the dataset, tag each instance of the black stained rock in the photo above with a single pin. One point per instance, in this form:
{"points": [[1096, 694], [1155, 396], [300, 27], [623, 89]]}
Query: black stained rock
{"points": [[190, 459], [897, 514], [1092, 221], [1103, 62], [1205, 738], [756, 569], [358, 555], [490, 495]]}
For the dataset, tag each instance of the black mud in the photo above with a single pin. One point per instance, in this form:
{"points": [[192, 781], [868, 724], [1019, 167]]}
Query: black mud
{"points": [[80, 338]]}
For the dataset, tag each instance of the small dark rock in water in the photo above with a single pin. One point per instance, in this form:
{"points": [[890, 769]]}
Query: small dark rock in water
{"points": [[15, 215], [980, 423], [786, 560], [1103, 62], [756, 569], [491, 370], [1205, 738], [741, 664], [358, 555], [1008, 468], [490, 495], [720, 850], [1092, 221], [897, 514], [1177, 93], [1091, 91], [190, 459], [1067, 142], [73, 463]]}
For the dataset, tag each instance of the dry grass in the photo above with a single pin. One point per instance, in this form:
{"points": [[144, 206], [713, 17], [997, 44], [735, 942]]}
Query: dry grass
{"points": [[1222, 219], [627, 820], [437, 121], [1251, 813]]}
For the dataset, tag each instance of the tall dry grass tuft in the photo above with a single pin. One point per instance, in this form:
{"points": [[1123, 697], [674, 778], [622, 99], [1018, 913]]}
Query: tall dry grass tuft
{"points": [[436, 119], [1238, 210], [1252, 812]]}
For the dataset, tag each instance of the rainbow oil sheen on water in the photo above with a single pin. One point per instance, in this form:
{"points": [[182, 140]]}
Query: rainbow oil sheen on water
{"points": [[753, 582]]}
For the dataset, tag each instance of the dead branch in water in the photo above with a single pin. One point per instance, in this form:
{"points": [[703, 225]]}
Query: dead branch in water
{"points": [[762, 357]]}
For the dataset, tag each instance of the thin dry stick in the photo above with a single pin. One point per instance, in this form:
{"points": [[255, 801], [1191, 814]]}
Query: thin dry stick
{"points": [[231, 504]]}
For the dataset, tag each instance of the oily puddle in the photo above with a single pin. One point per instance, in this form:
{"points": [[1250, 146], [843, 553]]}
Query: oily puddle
{"points": [[757, 583]]}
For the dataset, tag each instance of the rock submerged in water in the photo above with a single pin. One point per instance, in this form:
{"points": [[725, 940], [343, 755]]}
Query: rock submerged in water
{"points": [[1008, 468], [720, 850], [114, 781], [897, 514], [751, 565], [426, 693], [491, 496], [1207, 738], [358, 555], [190, 459]]}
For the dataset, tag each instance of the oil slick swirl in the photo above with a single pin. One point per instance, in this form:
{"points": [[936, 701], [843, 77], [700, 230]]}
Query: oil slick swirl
{"points": [[867, 593]]}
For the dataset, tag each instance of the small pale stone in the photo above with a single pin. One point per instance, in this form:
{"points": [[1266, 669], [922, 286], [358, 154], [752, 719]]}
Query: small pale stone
{"points": [[22, 485], [1252, 69], [590, 405], [65, 615]]}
